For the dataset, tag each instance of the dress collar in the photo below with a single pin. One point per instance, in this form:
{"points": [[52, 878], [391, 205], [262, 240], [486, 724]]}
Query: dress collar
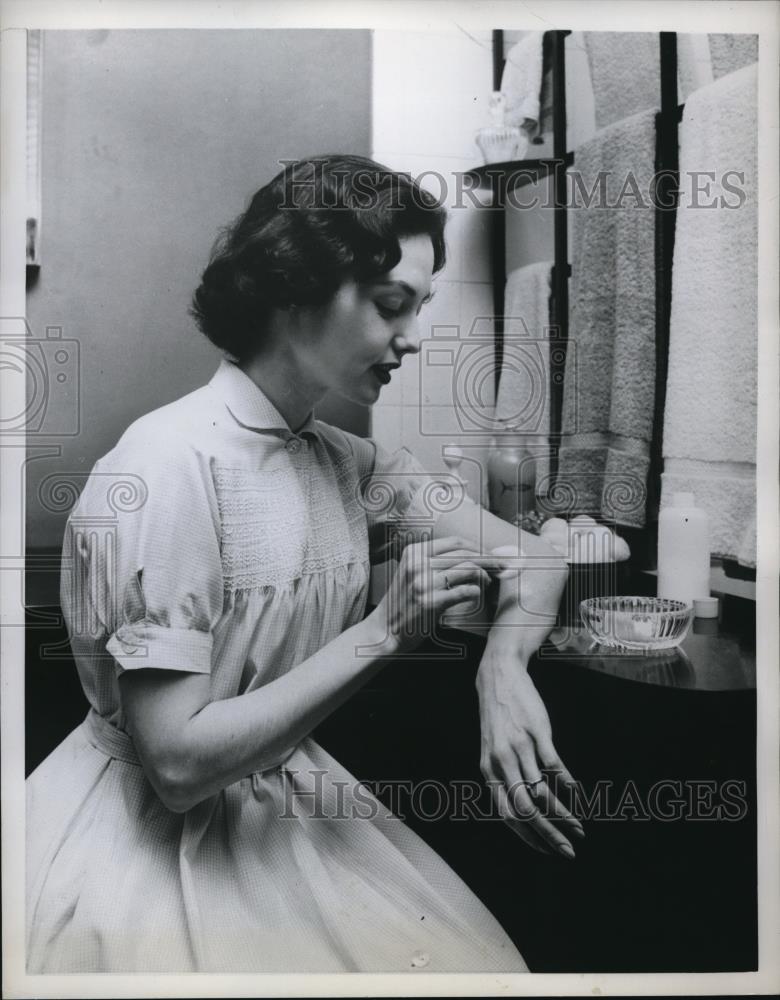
{"points": [[249, 404]]}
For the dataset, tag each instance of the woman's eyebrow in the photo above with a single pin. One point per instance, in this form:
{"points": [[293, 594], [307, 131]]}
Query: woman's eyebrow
{"points": [[409, 289]]}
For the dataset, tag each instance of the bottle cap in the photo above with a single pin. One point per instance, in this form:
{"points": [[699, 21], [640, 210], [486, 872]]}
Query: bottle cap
{"points": [[705, 607], [683, 500]]}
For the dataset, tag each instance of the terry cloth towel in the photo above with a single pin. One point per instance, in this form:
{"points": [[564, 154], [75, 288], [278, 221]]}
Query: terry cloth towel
{"points": [[702, 59], [711, 406], [523, 401], [521, 82], [609, 386], [732, 52], [625, 71], [580, 106]]}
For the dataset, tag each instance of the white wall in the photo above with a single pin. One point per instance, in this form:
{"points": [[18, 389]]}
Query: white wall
{"points": [[430, 94], [152, 141]]}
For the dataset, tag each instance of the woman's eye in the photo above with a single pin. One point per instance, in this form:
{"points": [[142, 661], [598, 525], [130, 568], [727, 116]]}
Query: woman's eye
{"points": [[388, 311]]}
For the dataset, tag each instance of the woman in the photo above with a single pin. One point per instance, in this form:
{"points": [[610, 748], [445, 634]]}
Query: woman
{"points": [[215, 578]]}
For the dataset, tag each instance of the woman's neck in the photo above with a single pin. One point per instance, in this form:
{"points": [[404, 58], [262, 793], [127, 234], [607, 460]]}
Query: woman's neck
{"points": [[281, 381]]}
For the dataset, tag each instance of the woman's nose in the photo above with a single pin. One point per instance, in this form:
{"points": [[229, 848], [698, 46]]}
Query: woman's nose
{"points": [[408, 341]]}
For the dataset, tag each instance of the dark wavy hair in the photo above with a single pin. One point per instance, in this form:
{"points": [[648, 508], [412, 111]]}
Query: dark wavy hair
{"points": [[319, 222]]}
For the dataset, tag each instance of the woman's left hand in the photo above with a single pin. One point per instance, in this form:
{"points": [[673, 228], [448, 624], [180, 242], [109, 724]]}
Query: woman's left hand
{"points": [[518, 759]]}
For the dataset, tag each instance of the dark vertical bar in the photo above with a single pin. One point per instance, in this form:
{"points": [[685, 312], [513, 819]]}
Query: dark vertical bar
{"points": [[498, 227], [498, 186], [560, 275], [498, 58], [666, 191]]}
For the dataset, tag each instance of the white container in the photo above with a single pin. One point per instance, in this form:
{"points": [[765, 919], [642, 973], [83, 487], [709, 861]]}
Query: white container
{"points": [[499, 142], [683, 550]]}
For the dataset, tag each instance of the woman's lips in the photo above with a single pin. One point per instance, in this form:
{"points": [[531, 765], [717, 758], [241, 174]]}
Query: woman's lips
{"points": [[382, 374]]}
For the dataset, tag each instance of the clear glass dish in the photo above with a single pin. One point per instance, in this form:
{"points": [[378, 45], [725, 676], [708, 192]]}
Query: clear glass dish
{"points": [[636, 623]]}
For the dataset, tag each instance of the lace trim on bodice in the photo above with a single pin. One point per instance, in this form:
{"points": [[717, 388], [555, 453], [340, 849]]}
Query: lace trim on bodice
{"points": [[292, 519]]}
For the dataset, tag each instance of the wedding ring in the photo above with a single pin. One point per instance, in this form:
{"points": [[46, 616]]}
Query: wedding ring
{"points": [[532, 784]]}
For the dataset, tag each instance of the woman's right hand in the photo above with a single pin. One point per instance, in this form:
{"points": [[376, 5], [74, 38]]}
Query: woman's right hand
{"points": [[431, 577]]}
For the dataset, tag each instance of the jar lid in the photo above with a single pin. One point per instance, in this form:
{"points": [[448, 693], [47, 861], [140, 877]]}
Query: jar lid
{"points": [[705, 607]]}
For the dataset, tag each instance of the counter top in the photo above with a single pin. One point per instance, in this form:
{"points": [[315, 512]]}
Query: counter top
{"points": [[707, 660]]}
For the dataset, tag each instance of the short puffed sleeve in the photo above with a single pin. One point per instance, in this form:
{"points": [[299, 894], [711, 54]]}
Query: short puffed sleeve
{"points": [[400, 497], [145, 543]]}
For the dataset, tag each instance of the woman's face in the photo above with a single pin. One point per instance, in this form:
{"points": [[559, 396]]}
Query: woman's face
{"points": [[353, 344]]}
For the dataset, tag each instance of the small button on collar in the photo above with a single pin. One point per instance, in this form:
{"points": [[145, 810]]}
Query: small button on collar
{"points": [[294, 445]]}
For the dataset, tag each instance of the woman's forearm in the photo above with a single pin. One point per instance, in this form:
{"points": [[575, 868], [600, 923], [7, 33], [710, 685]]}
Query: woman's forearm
{"points": [[193, 748], [527, 606], [527, 602]]}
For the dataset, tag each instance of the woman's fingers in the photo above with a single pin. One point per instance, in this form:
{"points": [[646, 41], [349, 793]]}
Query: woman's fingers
{"points": [[539, 790], [526, 809], [462, 573], [445, 551], [551, 807], [445, 560], [448, 545], [521, 828], [449, 597], [553, 766], [531, 756], [460, 576]]}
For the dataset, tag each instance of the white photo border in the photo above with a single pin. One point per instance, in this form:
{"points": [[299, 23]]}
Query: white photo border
{"points": [[644, 15]]}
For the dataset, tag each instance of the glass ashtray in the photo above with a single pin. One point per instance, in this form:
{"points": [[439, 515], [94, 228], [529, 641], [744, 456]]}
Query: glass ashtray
{"points": [[636, 623]]}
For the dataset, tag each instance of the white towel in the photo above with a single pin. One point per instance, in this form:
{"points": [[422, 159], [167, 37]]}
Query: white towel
{"points": [[580, 101], [702, 59], [521, 82], [711, 407], [694, 64], [523, 400], [732, 52]]}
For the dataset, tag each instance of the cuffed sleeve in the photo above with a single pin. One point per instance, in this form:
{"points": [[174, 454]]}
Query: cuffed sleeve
{"points": [[144, 644]]}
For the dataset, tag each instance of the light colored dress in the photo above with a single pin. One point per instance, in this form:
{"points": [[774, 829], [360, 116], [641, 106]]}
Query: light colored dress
{"points": [[213, 539]]}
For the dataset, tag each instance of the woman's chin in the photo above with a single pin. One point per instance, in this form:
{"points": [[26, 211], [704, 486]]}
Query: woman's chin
{"points": [[364, 393]]}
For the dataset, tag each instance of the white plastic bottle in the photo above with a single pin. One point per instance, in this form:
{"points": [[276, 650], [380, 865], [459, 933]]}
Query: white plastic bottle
{"points": [[683, 550]]}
